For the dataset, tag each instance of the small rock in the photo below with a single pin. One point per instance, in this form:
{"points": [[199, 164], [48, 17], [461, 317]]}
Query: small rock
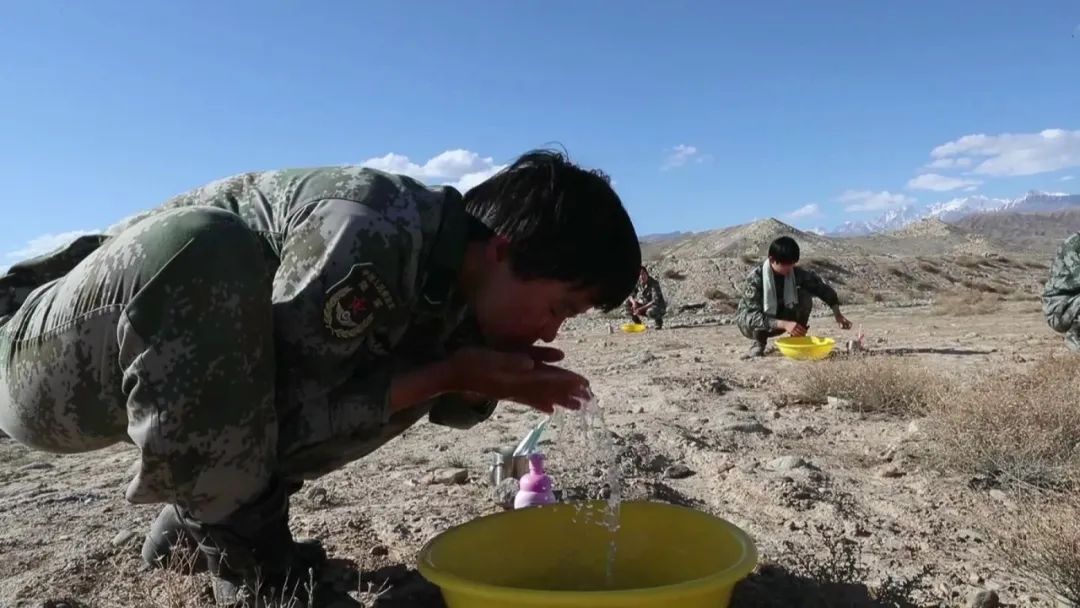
{"points": [[775, 415], [976, 579], [123, 537], [646, 358], [838, 402], [748, 427], [447, 477], [971, 335], [999, 496], [968, 534], [379, 551], [318, 495], [678, 471], [891, 471], [35, 466], [913, 427], [641, 410], [983, 599], [788, 463]]}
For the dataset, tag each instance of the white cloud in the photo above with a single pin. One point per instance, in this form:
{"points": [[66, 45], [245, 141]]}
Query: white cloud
{"points": [[961, 162], [1011, 154], [866, 200], [44, 244], [682, 154], [940, 183], [459, 168], [805, 211], [1068, 178]]}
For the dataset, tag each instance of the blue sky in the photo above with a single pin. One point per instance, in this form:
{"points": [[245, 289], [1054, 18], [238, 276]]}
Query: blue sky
{"points": [[705, 114]]}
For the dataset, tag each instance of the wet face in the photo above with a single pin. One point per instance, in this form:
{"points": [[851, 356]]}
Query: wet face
{"points": [[513, 312], [781, 268]]}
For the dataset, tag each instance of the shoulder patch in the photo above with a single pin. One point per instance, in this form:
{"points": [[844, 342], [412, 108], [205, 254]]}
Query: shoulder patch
{"points": [[354, 303]]}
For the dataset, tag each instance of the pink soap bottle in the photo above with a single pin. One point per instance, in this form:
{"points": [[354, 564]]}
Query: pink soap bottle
{"points": [[535, 486]]}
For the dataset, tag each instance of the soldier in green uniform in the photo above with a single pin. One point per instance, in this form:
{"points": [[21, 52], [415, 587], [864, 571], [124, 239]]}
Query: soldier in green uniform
{"points": [[1061, 296], [271, 327], [647, 300], [778, 298]]}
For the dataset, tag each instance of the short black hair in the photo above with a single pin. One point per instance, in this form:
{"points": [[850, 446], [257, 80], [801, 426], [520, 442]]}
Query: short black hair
{"points": [[564, 223], [784, 250]]}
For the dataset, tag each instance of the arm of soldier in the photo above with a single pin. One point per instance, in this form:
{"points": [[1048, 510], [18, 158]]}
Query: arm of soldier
{"points": [[1061, 295], [751, 310], [336, 294], [813, 283], [824, 292]]}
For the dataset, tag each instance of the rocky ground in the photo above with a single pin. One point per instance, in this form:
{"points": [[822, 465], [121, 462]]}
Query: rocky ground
{"points": [[693, 424]]}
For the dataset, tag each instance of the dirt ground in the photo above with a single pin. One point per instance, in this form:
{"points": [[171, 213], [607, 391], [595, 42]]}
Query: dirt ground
{"points": [[680, 396]]}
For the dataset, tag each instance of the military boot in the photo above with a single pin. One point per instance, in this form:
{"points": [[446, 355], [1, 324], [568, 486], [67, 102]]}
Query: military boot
{"points": [[757, 348], [168, 535], [253, 557]]}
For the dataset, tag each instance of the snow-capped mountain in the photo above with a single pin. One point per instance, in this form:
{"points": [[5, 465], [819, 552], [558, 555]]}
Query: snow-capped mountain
{"points": [[958, 208], [891, 220]]}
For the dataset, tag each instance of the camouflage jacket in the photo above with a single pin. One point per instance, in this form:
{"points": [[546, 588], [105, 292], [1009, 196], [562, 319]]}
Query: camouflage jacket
{"points": [[364, 288], [649, 292], [751, 310], [1061, 295]]}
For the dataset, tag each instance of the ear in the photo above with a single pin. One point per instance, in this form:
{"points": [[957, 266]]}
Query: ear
{"points": [[497, 249]]}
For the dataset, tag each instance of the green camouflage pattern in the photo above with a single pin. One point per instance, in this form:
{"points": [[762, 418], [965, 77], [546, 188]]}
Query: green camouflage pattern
{"points": [[647, 292], [751, 318], [243, 330], [1061, 295]]}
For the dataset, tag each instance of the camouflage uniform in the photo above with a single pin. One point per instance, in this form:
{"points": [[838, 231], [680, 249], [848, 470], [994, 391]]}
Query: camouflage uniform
{"points": [[1061, 296], [756, 325], [643, 294], [242, 334]]}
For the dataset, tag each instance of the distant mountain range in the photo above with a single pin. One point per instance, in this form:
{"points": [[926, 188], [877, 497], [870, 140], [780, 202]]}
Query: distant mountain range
{"points": [[958, 209]]}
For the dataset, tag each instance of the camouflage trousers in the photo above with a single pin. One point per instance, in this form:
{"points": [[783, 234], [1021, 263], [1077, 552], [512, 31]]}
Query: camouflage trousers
{"points": [[800, 315], [163, 336]]}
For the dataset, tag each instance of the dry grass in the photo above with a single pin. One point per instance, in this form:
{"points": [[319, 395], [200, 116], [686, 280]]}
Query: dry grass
{"points": [[828, 572], [965, 303], [1042, 543], [929, 267], [873, 384], [1022, 427], [968, 261]]}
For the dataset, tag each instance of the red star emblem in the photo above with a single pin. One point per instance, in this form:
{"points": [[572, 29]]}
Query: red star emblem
{"points": [[358, 305]]}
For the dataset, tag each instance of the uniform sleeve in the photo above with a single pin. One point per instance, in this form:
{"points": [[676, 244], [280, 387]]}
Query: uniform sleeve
{"points": [[811, 282], [751, 313], [338, 295], [1061, 295]]}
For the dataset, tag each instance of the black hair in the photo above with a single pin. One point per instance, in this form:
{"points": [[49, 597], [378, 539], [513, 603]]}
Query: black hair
{"points": [[564, 223], [784, 250]]}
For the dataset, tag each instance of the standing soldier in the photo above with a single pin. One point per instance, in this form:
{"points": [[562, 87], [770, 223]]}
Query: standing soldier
{"points": [[1061, 297], [271, 327]]}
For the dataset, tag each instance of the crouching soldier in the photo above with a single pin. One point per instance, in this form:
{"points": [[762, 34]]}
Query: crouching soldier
{"points": [[647, 300], [778, 298], [272, 327], [1061, 296]]}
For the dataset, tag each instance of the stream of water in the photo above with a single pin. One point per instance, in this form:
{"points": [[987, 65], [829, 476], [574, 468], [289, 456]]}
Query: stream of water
{"points": [[587, 461]]}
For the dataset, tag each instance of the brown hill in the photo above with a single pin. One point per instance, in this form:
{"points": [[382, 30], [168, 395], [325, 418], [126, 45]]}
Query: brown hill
{"points": [[1036, 233]]}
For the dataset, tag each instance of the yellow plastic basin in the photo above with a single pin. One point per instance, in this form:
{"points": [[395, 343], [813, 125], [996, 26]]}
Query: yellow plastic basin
{"points": [[665, 556], [805, 348], [633, 328]]}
